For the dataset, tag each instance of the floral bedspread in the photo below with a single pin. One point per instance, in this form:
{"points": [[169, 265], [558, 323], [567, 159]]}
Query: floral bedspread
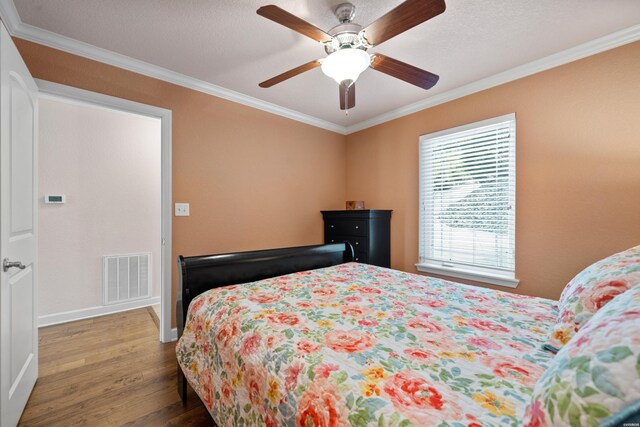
{"points": [[362, 345]]}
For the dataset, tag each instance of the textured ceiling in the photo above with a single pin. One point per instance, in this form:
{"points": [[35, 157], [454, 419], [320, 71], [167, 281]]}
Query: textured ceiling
{"points": [[226, 43]]}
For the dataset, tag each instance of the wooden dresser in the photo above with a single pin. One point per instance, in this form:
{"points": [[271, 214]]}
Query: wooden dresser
{"points": [[368, 231]]}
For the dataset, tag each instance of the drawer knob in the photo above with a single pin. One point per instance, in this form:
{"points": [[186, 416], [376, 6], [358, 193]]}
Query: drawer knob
{"points": [[357, 227], [332, 240], [357, 259], [357, 243], [331, 226]]}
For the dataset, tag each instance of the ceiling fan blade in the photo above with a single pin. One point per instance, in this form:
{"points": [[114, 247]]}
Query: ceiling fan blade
{"points": [[299, 25], [350, 97], [291, 73], [403, 71], [407, 15]]}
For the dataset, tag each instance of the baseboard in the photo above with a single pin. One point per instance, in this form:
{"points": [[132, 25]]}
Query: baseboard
{"points": [[86, 313], [174, 334]]}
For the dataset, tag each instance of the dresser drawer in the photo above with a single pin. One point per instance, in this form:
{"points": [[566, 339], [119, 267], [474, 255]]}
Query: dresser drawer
{"points": [[361, 256], [358, 243], [342, 227]]}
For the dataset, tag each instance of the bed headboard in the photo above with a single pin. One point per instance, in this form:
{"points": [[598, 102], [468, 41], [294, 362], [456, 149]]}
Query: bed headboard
{"points": [[201, 273]]}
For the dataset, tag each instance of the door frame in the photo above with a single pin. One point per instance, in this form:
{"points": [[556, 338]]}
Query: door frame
{"points": [[52, 90]]}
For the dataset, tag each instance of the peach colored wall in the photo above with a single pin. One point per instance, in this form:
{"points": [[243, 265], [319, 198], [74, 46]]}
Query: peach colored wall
{"points": [[107, 163], [253, 179], [578, 166]]}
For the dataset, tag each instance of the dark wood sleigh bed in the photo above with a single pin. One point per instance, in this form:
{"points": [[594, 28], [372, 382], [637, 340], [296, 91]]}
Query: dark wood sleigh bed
{"points": [[199, 274]]}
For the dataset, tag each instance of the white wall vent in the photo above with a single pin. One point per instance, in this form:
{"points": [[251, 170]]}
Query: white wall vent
{"points": [[126, 277]]}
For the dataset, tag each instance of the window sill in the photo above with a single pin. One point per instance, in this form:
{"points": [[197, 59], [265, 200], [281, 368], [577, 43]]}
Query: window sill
{"points": [[469, 275]]}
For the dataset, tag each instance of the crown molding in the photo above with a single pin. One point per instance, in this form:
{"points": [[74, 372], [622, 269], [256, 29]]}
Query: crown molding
{"points": [[9, 15], [17, 28], [613, 40]]}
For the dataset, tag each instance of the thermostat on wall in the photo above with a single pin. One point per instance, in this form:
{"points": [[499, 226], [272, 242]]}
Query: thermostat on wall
{"points": [[51, 198]]}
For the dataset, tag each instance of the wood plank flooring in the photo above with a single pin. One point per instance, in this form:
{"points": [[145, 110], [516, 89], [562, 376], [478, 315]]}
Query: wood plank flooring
{"points": [[109, 371]]}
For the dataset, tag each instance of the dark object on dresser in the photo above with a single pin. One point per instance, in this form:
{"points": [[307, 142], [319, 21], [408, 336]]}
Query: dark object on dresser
{"points": [[368, 231], [198, 274]]}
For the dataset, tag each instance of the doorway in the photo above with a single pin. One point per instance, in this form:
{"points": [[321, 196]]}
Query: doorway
{"points": [[119, 263]]}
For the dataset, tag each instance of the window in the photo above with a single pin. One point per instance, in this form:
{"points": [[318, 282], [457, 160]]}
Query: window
{"points": [[467, 201]]}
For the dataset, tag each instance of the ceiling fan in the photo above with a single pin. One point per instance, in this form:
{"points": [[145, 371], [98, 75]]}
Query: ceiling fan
{"points": [[346, 45]]}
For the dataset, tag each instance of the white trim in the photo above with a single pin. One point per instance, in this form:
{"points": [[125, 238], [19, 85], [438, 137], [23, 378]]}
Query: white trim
{"points": [[174, 334], [611, 41], [9, 16], [87, 313], [469, 126], [469, 275], [24, 31], [58, 91], [167, 221]]}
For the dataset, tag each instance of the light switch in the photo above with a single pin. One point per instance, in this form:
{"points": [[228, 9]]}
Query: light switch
{"points": [[182, 209]]}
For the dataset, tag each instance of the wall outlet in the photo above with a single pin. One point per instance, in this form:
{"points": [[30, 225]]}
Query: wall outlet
{"points": [[182, 209]]}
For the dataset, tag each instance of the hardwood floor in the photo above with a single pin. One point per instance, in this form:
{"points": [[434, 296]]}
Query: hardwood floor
{"points": [[109, 371]]}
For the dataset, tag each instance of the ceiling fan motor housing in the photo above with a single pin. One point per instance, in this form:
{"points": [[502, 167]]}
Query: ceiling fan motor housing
{"points": [[345, 34]]}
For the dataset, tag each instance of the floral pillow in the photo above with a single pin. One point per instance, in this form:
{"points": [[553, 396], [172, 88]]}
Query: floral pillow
{"points": [[596, 375], [591, 289]]}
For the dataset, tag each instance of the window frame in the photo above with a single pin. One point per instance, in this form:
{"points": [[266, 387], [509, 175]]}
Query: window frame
{"points": [[490, 275]]}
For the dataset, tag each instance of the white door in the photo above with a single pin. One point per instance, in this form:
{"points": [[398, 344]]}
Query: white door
{"points": [[18, 239]]}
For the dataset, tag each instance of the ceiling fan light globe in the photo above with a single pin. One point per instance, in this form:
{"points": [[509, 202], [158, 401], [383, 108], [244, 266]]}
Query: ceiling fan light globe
{"points": [[346, 64]]}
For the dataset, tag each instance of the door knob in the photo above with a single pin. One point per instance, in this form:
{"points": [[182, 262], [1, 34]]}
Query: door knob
{"points": [[6, 265]]}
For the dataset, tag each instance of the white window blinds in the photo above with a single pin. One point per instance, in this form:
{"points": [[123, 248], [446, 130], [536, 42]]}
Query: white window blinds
{"points": [[467, 201]]}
